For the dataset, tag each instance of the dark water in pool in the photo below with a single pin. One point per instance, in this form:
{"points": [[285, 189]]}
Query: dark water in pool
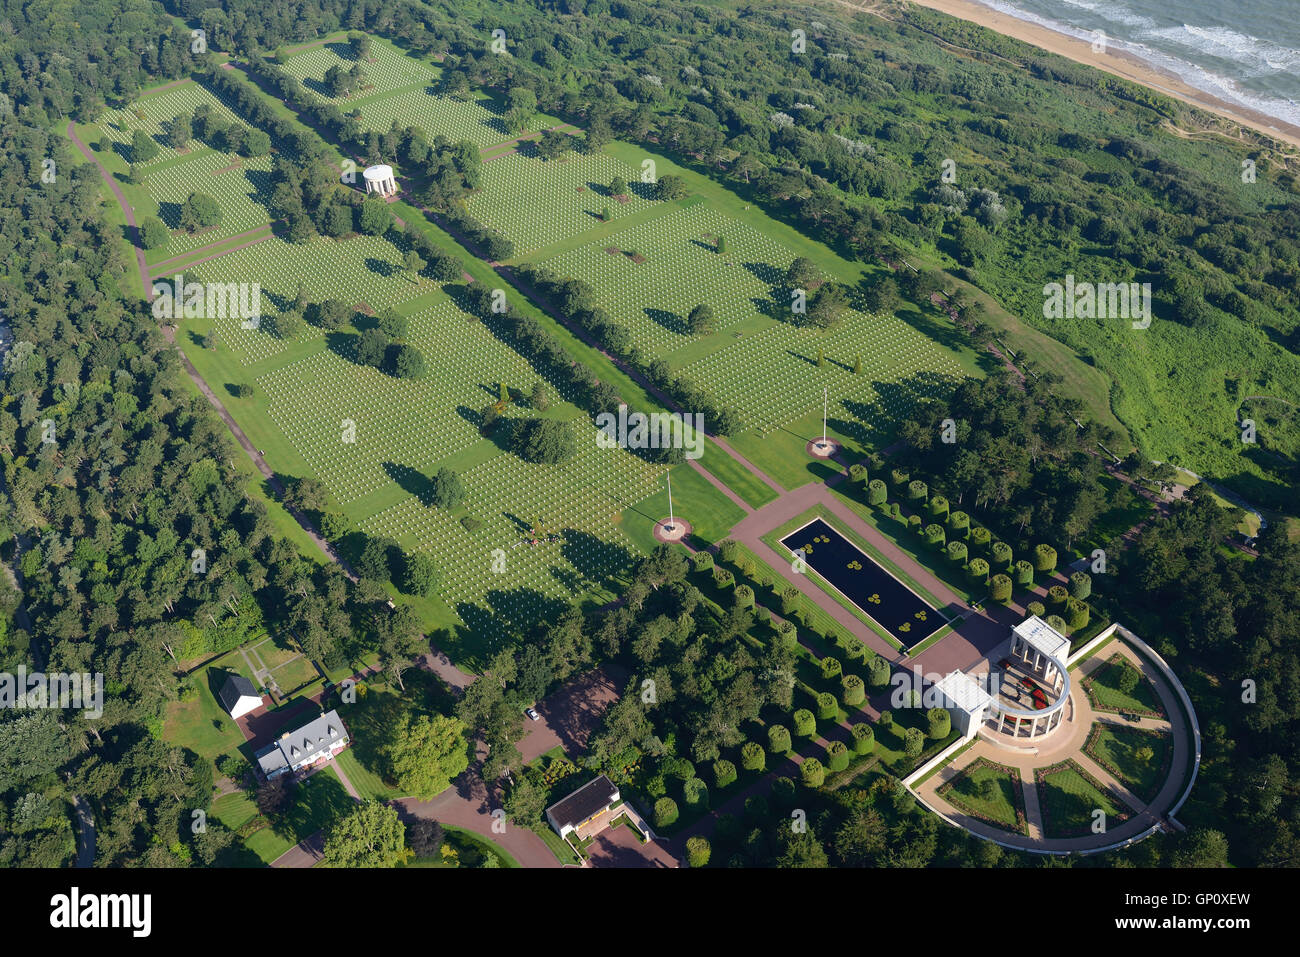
{"points": [[879, 594]]}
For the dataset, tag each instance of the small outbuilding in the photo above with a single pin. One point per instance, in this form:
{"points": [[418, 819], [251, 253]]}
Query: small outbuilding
{"points": [[238, 696]]}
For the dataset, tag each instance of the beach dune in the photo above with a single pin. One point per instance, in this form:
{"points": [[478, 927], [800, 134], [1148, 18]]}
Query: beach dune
{"points": [[1113, 60]]}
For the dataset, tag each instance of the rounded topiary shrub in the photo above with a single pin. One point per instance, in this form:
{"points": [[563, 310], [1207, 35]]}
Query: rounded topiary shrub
{"points": [[831, 668], [680, 768], [957, 553], [1036, 608], [805, 724], [698, 851], [1057, 623], [1002, 555], [878, 673], [938, 723], [743, 597], [1044, 558], [917, 491], [857, 472], [724, 773], [852, 691], [1128, 678], [913, 742], [752, 757], [864, 739], [728, 550], [703, 561], [778, 739], [938, 506], [826, 706], [1000, 588], [1080, 585], [978, 571], [934, 535], [877, 492], [1023, 573], [1056, 596], [788, 634], [896, 511], [837, 756], [979, 538], [886, 719], [898, 477], [914, 523], [1076, 614], [665, 812], [959, 525], [812, 773], [757, 811], [696, 794], [783, 793], [722, 577]]}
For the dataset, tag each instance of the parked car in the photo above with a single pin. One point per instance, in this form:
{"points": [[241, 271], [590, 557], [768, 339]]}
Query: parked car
{"points": [[532, 714]]}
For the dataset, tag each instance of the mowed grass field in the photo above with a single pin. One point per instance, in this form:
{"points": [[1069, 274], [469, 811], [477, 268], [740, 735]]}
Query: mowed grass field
{"points": [[241, 185], [309, 391], [375, 441]]}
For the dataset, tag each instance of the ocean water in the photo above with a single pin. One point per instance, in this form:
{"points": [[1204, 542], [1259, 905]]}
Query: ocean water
{"points": [[1245, 52]]}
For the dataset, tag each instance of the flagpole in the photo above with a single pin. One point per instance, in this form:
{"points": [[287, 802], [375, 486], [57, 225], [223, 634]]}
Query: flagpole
{"points": [[824, 400], [669, 476]]}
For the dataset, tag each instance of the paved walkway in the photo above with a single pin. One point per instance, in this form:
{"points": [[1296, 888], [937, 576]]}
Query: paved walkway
{"points": [[85, 832], [467, 804]]}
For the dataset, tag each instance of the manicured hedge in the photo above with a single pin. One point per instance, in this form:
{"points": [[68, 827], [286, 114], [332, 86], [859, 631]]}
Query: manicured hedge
{"points": [[805, 723], [812, 773], [724, 773], [864, 738], [827, 708], [778, 739], [665, 812], [837, 756], [752, 757], [853, 692]]}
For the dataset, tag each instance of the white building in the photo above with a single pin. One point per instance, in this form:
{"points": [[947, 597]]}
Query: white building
{"points": [[379, 179], [238, 696], [1043, 648], [318, 740], [966, 699]]}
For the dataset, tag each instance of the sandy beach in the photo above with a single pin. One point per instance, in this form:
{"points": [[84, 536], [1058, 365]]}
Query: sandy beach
{"points": [[1112, 61]]}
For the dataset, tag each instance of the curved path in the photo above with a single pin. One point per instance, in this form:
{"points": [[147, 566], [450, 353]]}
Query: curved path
{"points": [[1143, 815], [467, 804], [127, 211]]}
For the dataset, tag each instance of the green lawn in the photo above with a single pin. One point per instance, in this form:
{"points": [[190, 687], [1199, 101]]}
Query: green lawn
{"points": [[710, 513], [320, 801], [1003, 806], [199, 722], [1115, 748], [369, 784], [1069, 797], [1104, 692], [736, 477]]}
